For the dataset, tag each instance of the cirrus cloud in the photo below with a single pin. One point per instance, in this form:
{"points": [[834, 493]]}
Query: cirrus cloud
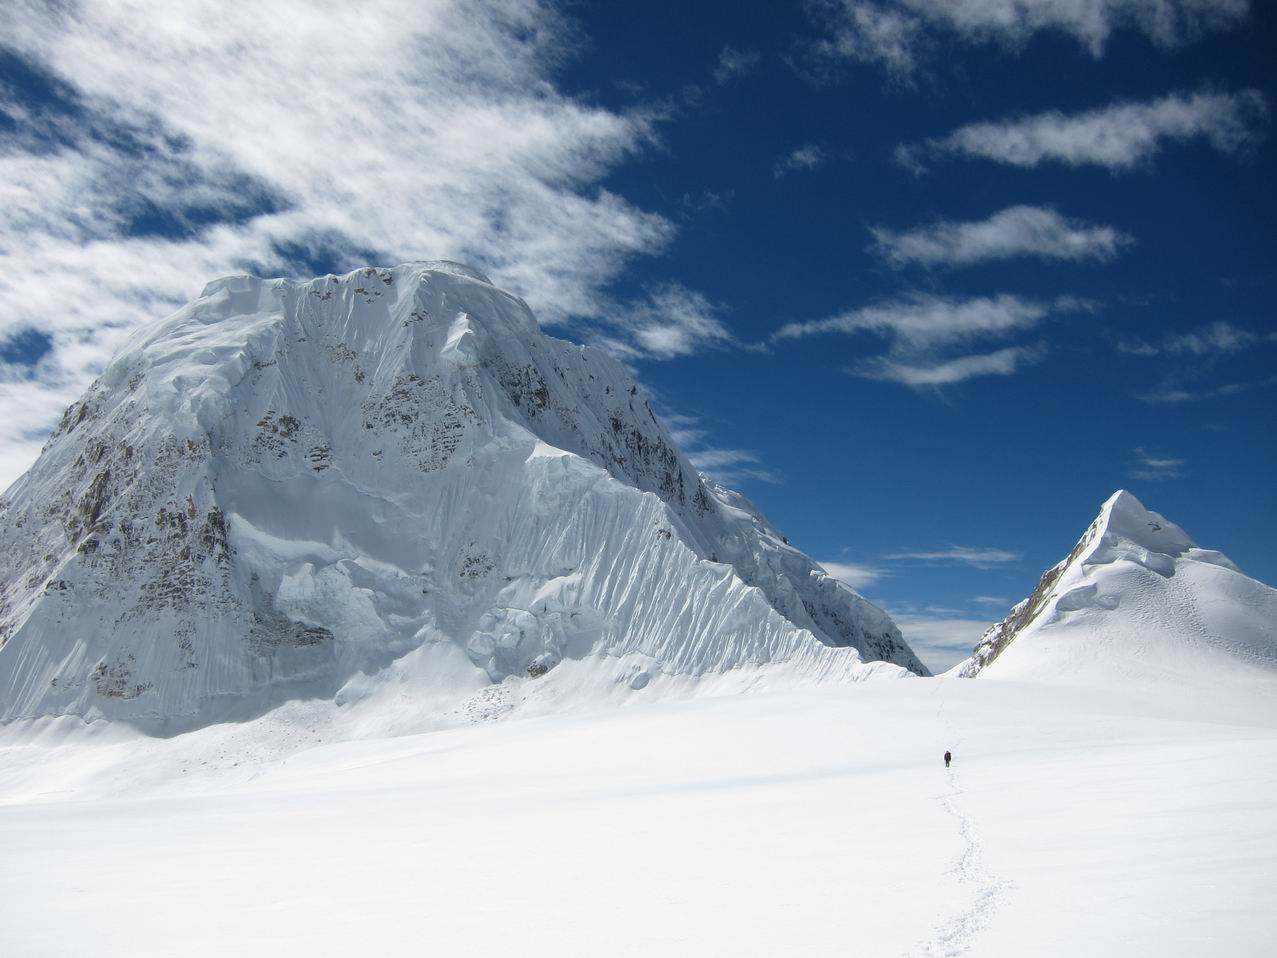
{"points": [[900, 36], [733, 64], [941, 641], [1215, 338], [802, 159], [925, 319], [161, 150], [947, 372], [1152, 467], [966, 555], [923, 330], [1117, 137], [855, 574], [1015, 231]]}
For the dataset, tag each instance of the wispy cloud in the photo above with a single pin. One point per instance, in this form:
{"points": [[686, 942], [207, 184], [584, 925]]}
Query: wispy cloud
{"points": [[1152, 467], [1211, 339], [802, 159], [732, 466], [709, 459], [1016, 231], [855, 574], [733, 64], [923, 330], [964, 555], [684, 430], [729, 466], [921, 373], [1118, 137], [901, 35], [670, 321], [940, 641], [927, 320], [990, 600], [1170, 394], [179, 148], [867, 32], [1194, 358]]}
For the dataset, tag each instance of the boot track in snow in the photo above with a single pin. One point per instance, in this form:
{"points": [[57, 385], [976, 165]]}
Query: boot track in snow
{"points": [[956, 936]]}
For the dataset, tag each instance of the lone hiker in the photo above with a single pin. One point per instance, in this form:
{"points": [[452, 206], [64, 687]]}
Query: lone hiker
{"points": [[948, 757]]}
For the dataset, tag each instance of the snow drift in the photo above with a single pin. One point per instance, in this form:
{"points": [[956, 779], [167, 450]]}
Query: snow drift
{"points": [[286, 487], [1138, 605]]}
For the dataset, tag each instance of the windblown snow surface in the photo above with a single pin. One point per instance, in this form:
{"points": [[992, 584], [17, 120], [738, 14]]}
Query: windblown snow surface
{"points": [[340, 623], [813, 822]]}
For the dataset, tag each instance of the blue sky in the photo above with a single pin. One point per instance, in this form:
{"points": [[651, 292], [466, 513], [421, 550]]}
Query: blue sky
{"points": [[928, 282]]}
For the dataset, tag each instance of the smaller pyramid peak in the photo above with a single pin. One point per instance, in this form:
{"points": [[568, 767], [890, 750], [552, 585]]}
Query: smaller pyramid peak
{"points": [[1123, 498], [1124, 518]]}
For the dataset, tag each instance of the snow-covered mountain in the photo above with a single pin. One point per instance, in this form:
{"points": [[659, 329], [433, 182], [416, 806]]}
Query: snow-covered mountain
{"points": [[1138, 605], [286, 487]]}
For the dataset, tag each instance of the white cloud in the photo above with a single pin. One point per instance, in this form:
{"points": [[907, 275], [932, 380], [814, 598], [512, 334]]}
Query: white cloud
{"points": [[854, 574], [991, 600], [922, 329], [927, 320], [1015, 231], [965, 555], [1211, 339], [670, 321], [921, 373], [390, 130], [731, 466], [733, 64], [1137, 347], [802, 159], [941, 642], [899, 35], [870, 32], [1118, 137], [1197, 353], [1217, 337], [684, 430], [1151, 467], [1170, 394]]}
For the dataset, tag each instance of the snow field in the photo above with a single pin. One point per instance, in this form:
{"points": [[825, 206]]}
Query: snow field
{"points": [[819, 822]]}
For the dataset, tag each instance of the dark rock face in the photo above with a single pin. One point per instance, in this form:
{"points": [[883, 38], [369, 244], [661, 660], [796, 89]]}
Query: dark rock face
{"points": [[1001, 635]]}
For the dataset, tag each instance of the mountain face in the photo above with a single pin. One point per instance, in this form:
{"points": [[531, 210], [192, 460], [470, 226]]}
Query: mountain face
{"points": [[288, 485], [1136, 604]]}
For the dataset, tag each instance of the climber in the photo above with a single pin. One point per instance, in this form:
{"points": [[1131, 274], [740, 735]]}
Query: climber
{"points": [[948, 757]]}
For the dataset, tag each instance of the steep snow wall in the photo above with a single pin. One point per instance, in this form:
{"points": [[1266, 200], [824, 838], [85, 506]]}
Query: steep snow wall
{"points": [[288, 485]]}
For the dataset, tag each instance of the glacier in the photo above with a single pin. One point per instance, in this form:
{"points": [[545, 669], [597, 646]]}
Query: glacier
{"points": [[318, 489]]}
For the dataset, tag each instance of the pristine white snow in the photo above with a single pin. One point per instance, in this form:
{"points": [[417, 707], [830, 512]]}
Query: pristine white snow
{"points": [[1138, 606], [290, 489], [1074, 822], [356, 616]]}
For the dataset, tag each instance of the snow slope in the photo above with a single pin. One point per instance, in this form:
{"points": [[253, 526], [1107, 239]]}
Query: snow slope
{"points": [[1138, 605], [305, 489], [1073, 822]]}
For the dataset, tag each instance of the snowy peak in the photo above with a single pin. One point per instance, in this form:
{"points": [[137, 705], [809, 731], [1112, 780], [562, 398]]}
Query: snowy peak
{"points": [[1123, 518], [1127, 530], [1136, 601], [307, 488]]}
